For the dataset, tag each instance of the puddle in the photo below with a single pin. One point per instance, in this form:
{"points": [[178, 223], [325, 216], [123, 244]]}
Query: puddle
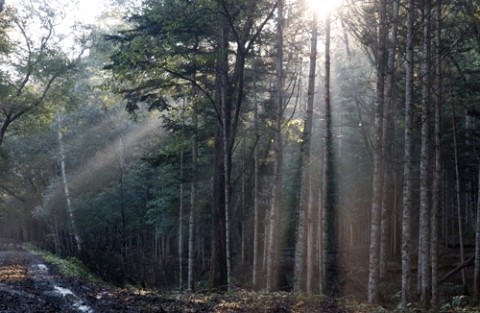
{"points": [[73, 299]]}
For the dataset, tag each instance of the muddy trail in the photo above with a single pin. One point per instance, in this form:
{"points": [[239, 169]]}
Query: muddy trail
{"points": [[28, 284]]}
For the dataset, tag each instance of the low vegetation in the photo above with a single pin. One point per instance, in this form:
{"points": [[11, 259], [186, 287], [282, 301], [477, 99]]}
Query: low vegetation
{"points": [[70, 267]]}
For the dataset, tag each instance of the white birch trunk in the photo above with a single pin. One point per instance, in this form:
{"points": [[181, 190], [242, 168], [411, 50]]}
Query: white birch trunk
{"points": [[76, 236]]}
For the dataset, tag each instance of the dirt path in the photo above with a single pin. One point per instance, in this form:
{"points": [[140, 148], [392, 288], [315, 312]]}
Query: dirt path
{"points": [[27, 284]]}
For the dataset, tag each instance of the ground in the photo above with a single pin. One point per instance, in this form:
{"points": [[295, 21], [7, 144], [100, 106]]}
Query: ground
{"points": [[29, 284]]}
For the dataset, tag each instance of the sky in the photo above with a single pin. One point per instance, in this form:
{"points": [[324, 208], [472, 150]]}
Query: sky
{"points": [[85, 11]]}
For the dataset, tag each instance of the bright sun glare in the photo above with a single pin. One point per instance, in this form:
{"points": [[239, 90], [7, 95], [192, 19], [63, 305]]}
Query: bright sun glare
{"points": [[323, 7]]}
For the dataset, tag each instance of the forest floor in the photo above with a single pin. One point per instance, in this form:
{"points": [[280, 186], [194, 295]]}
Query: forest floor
{"points": [[29, 284]]}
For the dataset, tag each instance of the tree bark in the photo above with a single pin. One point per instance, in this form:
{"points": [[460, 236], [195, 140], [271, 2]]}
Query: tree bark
{"points": [[218, 264], [388, 139], [330, 266], [408, 152], [457, 195], [476, 279], [66, 189], [374, 269], [256, 190], [305, 205], [193, 189], [272, 257], [425, 164], [180, 208], [437, 174]]}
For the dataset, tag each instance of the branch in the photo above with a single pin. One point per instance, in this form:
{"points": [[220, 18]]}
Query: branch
{"points": [[457, 269], [39, 100], [194, 82], [13, 194], [29, 60], [260, 28]]}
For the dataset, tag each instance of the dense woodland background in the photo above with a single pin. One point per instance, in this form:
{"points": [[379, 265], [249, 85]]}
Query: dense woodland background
{"points": [[217, 144]]}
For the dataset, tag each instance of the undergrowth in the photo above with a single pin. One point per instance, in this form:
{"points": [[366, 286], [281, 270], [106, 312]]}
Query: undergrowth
{"points": [[70, 267]]}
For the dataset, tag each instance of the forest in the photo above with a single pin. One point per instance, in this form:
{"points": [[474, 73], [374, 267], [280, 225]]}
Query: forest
{"points": [[268, 145]]}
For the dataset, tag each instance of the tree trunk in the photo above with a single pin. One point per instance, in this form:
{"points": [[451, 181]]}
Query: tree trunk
{"points": [[256, 189], [374, 269], [457, 195], [272, 257], [437, 174], [193, 190], [305, 206], [388, 140], [408, 152], [218, 264], [73, 223], [425, 164], [180, 208], [476, 278], [330, 267]]}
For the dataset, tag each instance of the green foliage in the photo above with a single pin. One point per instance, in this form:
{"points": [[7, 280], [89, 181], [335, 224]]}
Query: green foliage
{"points": [[156, 57], [70, 267]]}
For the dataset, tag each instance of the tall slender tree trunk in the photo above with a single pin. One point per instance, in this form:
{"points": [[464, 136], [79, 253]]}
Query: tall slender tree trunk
{"points": [[388, 139], [437, 174], [218, 264], [408, 155], [476, 279], [273, 240], [329, 242], [180, 207], [305, 194], [374, 268], [256, 189], [193, 188], [307, 180], [425, 164], [66, 189], [457, 196], [121, 200], [220, 254]]}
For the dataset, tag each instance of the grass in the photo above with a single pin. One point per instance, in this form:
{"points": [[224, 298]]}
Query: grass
{"points": [[70, 267]]}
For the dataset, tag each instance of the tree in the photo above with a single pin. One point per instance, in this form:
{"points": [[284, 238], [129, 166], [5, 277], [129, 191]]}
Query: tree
{"points": [[425, 161], [388, 148], [279, 100], [408, 155], [437, 174], [329, 210], [304, 228], [67, 192], [36, 68], [477, 247], [374, 269]]}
